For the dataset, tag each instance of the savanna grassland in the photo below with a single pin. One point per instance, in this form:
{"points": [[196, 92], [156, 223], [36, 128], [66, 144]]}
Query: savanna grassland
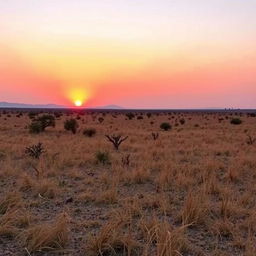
{"points": [[189, 190]]}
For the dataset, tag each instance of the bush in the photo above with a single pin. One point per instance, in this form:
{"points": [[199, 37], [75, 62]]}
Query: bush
{"points": [[89, 132], [130, 116], [39, 125], [46, 121], [165, 126], [102, 157], [236, 121], [35, 127], [100, 119], [182, 121], [57, 114], [35, 151], [71, 125], [32, 115]]}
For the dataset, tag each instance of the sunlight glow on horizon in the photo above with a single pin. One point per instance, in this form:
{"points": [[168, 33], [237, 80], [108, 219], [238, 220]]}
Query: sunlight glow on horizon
{"points": [[78, 103]]}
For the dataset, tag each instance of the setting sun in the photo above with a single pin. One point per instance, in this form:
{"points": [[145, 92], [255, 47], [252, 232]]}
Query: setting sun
{"points": [[78, 103]]}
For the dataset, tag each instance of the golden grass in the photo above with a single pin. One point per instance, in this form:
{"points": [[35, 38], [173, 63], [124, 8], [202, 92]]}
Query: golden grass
{"points": [[111, 241], [47, 236], [191, 191]]}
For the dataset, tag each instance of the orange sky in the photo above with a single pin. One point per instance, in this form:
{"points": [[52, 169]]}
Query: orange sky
{"points": [[183, 54]]}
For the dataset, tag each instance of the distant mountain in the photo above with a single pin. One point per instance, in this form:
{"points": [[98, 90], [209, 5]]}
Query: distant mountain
{"points": [[110, 107], [22, 105]]}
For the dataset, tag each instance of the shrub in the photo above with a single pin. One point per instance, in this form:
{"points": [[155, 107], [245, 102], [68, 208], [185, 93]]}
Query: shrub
{"points": [[149, 115], [57, 114], [102, 157], [130, 115], [35, 127], [155, 136], [251, 114], [250, 140], [100, 119], [41, 123], [182, 121], [71, 125], [89, 132], [236, 121], [140, 117], [35, 151], [32, 115], [165, 126], [46, 121]]}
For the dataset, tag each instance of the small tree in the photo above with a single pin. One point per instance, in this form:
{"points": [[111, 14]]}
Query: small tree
{"points": [[165, 126], [71, 125], [116, 140], [46, 121], [236, 121], [41, 123]]}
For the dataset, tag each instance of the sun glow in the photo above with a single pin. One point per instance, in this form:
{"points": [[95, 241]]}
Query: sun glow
{"points": [[78, 103], [79, 96]]}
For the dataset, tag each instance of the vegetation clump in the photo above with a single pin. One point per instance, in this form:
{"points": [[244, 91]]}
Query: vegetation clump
{"points": [[41, 123], [102, 157], [116, 140], [35, 151], [155, 135], [35, 127], [89, 132], [236, 121], [182, 121], [100, 119], [165, 126], [46, 121], [130, 115], [71, 125], [149, 115]]}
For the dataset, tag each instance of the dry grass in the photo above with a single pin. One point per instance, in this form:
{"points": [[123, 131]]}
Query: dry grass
{"points": [[111, 241], [169, 241], [190, 191], [46, 237]]}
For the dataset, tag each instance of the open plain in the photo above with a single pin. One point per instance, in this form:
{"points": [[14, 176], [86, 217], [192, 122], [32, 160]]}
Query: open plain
{"points": [[186, 190]]}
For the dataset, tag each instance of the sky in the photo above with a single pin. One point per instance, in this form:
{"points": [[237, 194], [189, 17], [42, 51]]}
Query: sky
{"points": [[136, 54]]}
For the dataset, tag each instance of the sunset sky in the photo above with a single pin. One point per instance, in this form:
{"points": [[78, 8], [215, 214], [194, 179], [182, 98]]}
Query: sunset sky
{"points": [[137, 54]]}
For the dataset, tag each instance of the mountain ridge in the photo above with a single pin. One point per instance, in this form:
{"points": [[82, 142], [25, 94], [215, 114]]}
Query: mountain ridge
{"points": [[5, 104]]}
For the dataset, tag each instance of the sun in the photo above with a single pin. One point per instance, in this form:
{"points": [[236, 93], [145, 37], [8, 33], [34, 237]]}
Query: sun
{"points": [[78, 103]]}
